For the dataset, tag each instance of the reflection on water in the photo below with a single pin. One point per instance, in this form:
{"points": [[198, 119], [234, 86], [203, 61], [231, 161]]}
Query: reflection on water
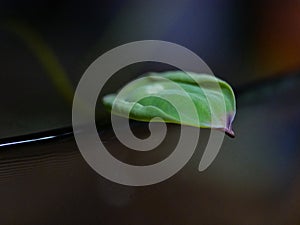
{"points": [[255, 178]]}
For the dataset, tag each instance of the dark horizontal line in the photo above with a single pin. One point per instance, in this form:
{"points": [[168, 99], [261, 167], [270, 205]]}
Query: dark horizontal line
{"points": [[268, 81], [55, 134], [37, 137]]}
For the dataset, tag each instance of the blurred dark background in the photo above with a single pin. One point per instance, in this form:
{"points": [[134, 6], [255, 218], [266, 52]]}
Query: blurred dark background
{"points": [[45, 46]]}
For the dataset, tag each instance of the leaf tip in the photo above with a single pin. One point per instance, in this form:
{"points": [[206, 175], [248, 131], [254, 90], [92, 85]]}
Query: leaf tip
{"points": [[229, 132], [228, 129]]}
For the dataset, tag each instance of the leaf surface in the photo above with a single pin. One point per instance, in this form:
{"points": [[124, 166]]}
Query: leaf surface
{"points": [[191, 99]]}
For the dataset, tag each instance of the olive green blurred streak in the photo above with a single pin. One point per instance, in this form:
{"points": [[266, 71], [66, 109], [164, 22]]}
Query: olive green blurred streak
{"points": [[45, 55]]}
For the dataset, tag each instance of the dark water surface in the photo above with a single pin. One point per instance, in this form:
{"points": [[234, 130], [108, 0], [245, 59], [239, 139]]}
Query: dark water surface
{"points": [[255, 179]]}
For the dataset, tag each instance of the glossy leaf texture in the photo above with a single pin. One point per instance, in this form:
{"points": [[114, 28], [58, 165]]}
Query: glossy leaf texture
{"points": [[175, 97]]}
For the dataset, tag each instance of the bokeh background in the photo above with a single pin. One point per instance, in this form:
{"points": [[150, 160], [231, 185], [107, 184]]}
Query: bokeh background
{"points": [[45, 46]]}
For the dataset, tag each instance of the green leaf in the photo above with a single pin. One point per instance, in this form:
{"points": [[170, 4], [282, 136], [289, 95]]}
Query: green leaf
{"points": [[192, 99]]}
